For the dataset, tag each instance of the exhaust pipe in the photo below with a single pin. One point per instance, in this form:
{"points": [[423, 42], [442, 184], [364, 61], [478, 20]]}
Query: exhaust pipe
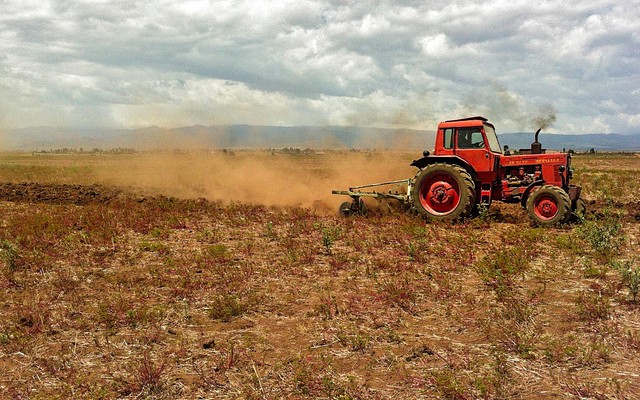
{"points": [[536, 147]]}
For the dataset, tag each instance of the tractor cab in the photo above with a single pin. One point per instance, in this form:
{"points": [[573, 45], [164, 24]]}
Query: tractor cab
{"points": [[473, 144], [474, 133]]}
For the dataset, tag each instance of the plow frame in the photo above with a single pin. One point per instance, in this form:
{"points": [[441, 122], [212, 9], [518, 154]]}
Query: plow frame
{"points": [[356, 193]]}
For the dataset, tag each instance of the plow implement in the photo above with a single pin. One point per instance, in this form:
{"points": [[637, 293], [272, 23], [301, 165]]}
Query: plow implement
{"points": [[358, 207]]}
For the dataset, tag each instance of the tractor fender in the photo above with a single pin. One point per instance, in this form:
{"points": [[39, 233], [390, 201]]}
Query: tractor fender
{"points": [[528, 190], [424, 161]]}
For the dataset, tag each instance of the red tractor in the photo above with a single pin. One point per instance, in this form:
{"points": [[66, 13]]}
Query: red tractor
{"points": [[468, 168]]}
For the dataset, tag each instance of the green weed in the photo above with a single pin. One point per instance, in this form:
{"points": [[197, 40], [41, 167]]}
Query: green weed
{"points": [[411, 251], [159, 233], [448, 385], [513, 325], [209, 236], [149, 380], [269, 233], [567, 242], [355, 338], [400, 292], [630, 275], [499, 270], [483, 212], [329, 236], [591, 270], [155, 247], [328, 307], [8, 254], [604, 236], [314, 377], [226, 306], [559, 349], [593, 306], [217, 254]]}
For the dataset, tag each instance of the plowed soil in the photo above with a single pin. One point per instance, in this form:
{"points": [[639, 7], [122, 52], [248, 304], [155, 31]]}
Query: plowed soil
{"points": [[33, 192]]}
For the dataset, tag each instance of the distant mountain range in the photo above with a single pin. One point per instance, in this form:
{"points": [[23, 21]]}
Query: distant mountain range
{"points": [[248, 136], [598, 141]]}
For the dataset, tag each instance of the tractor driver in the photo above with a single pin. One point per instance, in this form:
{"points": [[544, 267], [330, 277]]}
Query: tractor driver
{"points": [[470, 138]]}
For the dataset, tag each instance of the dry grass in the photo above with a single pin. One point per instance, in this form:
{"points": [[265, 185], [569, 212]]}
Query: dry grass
{"points": [[165, 298]]}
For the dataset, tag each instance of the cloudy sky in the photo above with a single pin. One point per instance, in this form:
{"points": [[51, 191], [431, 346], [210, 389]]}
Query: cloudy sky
{"points": [[378, 63]]}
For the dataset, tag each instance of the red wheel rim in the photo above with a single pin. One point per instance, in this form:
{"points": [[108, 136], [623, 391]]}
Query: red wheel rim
{"points": [[440, 194], [545, 207]]}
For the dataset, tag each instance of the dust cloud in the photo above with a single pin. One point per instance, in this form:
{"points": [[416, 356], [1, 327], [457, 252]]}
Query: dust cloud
{"points": [[273, 178], [3, 135], [257, 177]]}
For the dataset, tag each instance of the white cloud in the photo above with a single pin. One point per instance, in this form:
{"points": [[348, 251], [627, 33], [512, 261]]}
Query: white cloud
{"points": [[435, 46], [320, 61], [633, 120]]}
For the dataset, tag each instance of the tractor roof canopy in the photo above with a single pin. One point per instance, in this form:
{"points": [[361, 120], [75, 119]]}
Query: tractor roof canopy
{"points": [[465, 122]]}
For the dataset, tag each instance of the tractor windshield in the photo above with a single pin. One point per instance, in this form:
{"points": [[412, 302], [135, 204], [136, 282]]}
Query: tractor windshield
{"points": [[492, 138]]}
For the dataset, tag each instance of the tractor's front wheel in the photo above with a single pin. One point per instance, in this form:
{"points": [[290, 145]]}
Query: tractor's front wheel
{"points": [[443, 192], [549, 205]]}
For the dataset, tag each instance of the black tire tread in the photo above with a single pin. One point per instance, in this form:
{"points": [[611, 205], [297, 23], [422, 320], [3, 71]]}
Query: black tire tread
{"points": [[467, 192], [564, 205]]}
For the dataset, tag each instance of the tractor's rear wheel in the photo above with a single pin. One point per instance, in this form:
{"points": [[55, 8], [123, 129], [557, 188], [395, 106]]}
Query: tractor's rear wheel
{"points": [[443, 192], [549, 205]]}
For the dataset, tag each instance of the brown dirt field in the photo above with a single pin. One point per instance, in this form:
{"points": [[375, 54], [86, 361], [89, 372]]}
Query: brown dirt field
{"points": [[112, 290]]}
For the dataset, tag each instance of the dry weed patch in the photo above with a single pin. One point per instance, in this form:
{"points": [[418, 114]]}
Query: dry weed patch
{"points": [[107, 293]]}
